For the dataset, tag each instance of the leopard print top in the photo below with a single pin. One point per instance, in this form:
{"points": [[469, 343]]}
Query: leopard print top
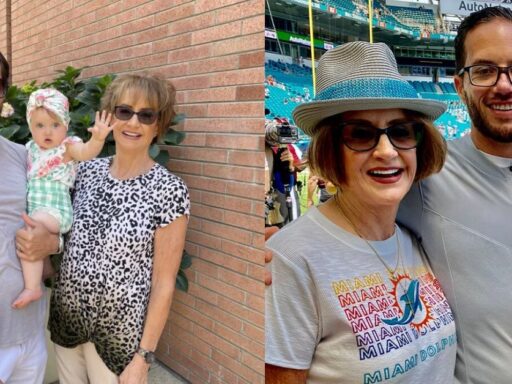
{"points": [[102, 291]]}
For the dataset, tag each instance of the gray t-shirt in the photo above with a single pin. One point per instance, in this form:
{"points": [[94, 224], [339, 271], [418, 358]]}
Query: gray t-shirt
{"points": [[464, 215], [334, 309], [16, 325]]}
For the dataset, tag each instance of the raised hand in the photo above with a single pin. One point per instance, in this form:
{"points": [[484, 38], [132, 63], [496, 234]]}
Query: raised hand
{"points": [[102, 126]]}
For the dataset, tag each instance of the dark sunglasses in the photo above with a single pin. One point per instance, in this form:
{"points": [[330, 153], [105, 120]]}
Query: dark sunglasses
{"points": [[145, 116], [363, 137]]}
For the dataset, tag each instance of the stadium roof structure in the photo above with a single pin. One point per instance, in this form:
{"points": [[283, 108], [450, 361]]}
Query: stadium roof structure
{"points": [[339, 27]]}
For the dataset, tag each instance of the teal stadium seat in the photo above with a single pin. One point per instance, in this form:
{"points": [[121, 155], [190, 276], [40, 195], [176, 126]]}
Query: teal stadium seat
{"points": [[415, 15], [342, 4]]}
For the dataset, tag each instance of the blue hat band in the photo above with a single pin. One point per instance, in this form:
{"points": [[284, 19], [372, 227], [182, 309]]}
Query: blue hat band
{"points": [[368, 88]]}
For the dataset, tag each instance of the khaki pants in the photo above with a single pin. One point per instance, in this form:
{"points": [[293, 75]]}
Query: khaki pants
{"points": [[82, 365]]}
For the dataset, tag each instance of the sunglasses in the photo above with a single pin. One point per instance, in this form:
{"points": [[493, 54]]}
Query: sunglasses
{"points": [[145, 116], [361, 137]]}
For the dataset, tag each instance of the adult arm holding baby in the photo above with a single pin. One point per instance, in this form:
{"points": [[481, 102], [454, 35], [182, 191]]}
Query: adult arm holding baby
{"points": [[51, 164]]}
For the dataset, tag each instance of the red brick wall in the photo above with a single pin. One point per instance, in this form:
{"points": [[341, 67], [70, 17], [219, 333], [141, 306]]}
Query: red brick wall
{"points": [[214, 52], [4, 27]]}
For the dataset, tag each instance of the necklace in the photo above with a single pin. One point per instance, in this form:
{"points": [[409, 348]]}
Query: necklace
{"points": [[391, 271], [410, 297]]}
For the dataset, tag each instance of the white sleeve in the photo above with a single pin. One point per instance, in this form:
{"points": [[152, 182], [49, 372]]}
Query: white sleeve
{"points": [[291, 315]]}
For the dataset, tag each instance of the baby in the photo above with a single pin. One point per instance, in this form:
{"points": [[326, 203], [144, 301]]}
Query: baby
{"points": [[52, 157]]}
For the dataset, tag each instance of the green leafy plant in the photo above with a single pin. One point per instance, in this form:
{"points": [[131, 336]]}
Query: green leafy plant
{"points": [[84, 97]]}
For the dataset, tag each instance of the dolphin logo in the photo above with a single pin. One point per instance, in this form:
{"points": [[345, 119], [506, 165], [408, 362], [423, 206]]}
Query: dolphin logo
{"points": [[412, 301]]}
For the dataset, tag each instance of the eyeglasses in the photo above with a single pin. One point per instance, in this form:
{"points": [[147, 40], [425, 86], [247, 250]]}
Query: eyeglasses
{"points": [[486, 75], [361, 137], [145, 116]]}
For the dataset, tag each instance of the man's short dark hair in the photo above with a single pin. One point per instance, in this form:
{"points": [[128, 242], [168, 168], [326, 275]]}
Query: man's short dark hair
{"points": [[4, 73], [472, 21]]}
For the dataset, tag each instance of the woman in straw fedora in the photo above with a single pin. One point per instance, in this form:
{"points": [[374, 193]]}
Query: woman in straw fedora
{"points": [[353, 298]]}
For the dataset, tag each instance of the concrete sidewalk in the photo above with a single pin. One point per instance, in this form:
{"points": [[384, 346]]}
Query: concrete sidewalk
{"points": [[160, 374]]}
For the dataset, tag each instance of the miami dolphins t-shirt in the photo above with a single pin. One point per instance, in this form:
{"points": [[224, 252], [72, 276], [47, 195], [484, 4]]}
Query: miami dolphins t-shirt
{"points": [[334, 308]]}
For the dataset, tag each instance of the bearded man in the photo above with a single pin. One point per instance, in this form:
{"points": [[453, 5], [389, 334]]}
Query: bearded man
{"points": [[464, 212]]}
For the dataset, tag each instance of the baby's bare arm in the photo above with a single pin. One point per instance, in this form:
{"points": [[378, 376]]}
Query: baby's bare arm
{"points": [[92, 148]]}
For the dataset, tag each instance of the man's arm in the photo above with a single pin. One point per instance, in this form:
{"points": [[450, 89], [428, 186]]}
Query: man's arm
{"points": [[269, 231], [281, 375], [34, 242]]}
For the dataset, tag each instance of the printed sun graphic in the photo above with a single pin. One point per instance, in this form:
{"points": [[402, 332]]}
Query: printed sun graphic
{"points": [[410, 305]]}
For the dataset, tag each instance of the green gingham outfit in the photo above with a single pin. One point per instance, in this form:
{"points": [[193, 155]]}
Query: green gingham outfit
{"points": [[49, 181]]}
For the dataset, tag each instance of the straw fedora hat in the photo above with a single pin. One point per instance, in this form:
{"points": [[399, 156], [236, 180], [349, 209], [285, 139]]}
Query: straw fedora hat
{"points": [[359, 76]]}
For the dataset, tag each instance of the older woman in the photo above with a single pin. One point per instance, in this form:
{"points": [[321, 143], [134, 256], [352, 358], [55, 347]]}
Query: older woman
{"points": [[353, 298], [123, 252]]}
